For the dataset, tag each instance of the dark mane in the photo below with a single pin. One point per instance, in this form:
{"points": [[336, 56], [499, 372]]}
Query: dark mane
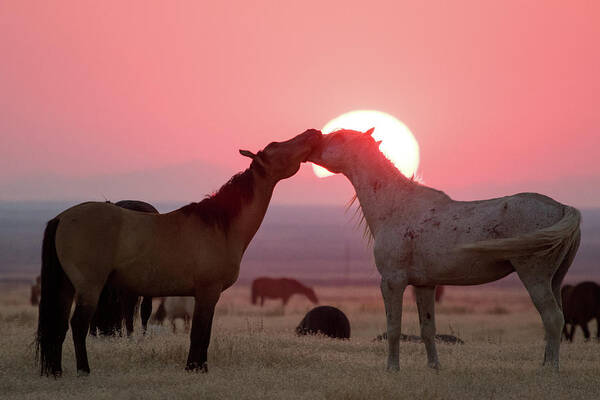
{"points": [[220, 208]]}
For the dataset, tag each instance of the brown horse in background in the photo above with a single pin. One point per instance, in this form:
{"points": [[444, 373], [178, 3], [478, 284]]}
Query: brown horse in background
{"points": [[193, 251], [117, 307], [280, 288]]}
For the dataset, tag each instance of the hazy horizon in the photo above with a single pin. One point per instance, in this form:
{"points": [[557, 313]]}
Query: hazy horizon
{"points": [[193, 183]]}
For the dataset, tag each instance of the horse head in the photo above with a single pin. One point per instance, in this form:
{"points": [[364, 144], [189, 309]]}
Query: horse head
{"points": [[310, 293], [280, 160], [339, 150]]}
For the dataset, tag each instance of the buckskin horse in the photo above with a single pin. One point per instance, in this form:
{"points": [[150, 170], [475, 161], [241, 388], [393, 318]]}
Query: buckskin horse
{"points": [[193, 251]]}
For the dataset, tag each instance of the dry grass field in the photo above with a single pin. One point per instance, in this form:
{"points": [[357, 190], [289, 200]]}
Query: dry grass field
{"points": [[254, 354]]}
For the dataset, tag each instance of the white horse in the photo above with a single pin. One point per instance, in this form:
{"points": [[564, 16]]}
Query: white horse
{"points": [[424, 238], [179, 307]]}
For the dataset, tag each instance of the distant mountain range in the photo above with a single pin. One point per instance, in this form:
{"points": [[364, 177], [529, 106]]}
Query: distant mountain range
{"points": [[191, 181], [318, 244]]}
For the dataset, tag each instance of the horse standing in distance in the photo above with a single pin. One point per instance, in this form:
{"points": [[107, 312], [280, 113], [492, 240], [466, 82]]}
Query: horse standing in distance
{"points": [[581, 304], [193, 251], [117, 306], [174, 308], [280, 288], [424, 238], [36, 291]]}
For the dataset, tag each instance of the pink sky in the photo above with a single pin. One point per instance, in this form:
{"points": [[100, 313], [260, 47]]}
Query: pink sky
{"points": [[153, 101]]}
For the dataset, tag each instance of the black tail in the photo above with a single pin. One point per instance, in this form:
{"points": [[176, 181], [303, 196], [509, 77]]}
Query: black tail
{"points": [[52, 322]]}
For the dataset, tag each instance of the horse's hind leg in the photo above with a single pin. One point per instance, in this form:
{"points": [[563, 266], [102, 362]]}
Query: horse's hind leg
{"points": [[572, 332], [535, 277], [559, 275], [80, 322], [426, 307], [586, 331], [145, 312], [129, 305], [392, 291]]}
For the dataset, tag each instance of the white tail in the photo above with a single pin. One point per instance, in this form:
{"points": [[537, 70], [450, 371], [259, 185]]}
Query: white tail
{"points": [[542, 242]]}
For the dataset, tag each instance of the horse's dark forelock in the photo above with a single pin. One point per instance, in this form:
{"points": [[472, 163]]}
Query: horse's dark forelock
{"points": [[220, 208]]}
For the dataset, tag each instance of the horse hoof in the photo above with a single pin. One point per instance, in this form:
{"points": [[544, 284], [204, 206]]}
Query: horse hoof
{"points": [[435, 365], [83, 373], [57, 374], [550, 367], [393, 368], [195, 367]]}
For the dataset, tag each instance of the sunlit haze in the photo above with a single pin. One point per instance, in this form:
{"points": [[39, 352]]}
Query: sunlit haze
{"points": [[397, 142], [153, 100]]}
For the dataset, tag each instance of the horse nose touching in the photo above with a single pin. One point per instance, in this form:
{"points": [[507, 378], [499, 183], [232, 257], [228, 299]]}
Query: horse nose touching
{"points": [[312, 138]]}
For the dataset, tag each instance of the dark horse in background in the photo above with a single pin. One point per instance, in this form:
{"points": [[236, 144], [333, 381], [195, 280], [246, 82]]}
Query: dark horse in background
{"points": [[193, 251], [581, 303], [280, 288], [118, 306]]}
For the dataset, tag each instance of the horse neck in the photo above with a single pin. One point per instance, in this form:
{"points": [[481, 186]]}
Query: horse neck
{"points": [[381, 189], [300, 288], [246, 224]]}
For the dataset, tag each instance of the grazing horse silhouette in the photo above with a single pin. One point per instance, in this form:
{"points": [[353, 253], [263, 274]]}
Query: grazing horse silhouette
{"points": [[581, 303], [325, 320], [193, 251], [422, 237], [280, 288], [117, 306]]}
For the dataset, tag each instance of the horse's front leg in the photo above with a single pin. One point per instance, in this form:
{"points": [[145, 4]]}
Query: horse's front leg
{"points": [[393, 292], [426, 307], [204, 309]]}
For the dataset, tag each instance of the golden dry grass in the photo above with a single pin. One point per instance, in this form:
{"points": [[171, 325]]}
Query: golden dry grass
{"points": [[255, 355]]}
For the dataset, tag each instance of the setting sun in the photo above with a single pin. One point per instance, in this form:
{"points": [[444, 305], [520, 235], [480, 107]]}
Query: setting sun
{"points": [[398, 143]]}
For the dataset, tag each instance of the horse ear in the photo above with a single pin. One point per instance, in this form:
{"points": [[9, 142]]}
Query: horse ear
{"points": [[370, 131], [248, 153], [378, 142]]}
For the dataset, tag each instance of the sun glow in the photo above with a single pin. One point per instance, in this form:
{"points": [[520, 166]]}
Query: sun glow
{"points": [[398, 143]]}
